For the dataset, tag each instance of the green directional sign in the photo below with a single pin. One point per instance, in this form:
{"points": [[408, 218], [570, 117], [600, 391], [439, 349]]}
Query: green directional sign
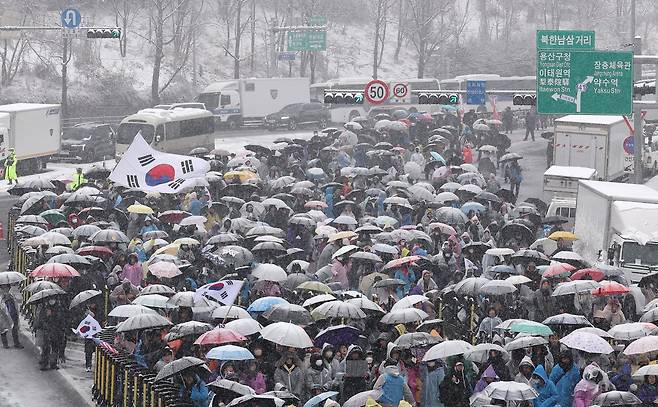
{"points": [[565, 39], [584, 82], [317, 20], [307, 41]]}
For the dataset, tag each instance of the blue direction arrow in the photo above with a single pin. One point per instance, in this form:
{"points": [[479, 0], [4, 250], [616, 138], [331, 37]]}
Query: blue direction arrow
{"points": [[71, 18]]}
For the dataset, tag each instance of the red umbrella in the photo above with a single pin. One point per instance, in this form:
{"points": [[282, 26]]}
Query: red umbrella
{"points": [[588, 274], [98, 251], [610, 288], [173, 216], [219, 336], [54, 270], [315, 204], [395, 263], [558, 269]]}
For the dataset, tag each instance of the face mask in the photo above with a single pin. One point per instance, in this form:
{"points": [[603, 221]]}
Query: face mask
{"points": [[369, 359], [52, 302], [328, 354], [318, 363], [534, 382]]}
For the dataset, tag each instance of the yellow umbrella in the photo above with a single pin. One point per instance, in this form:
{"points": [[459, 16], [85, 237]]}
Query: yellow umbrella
{"points": [[243, 175], [187, 240], [561, 234], [348, 234], [150, 244], [315, 286], [140, 209], [171, 248]]}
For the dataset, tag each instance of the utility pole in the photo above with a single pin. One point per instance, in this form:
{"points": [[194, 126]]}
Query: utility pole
{"points": [[65, 61], [632, 27], [638, 134]]}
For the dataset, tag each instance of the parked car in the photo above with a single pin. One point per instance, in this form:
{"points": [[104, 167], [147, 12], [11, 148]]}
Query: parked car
{"points": [[89, 142], [297, 114]]}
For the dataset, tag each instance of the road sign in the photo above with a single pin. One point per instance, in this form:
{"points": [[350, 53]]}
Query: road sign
{"points": [[317, 20], [307, 41], [376, 92], [71, 18], [476, 92], [565, 39], [399, 91], [286, 56], [629, 145], [584, 82]]}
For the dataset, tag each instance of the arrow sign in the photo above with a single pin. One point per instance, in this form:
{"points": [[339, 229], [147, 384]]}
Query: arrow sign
{"points": [[71, 18], [566, 98]]}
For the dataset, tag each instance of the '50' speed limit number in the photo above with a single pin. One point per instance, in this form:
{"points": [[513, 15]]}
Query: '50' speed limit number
{"points": [[376, 92]]}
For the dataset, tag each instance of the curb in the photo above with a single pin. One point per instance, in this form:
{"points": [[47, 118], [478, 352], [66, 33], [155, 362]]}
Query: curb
{"points": [[30, 343]]}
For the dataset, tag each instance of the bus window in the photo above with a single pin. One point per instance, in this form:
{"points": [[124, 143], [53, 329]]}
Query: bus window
{"points": [[127, 132], [225, 100], [173, 131]]}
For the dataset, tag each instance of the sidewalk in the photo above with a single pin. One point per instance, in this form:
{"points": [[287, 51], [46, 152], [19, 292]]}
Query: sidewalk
{"points": [[73, 370]]}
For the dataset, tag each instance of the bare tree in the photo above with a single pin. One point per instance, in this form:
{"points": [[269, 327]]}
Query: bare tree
{"points": [[381, 18], [483, 15], [231, 14], [124, 16], [11, 57], [402, 15], [432, 24]]}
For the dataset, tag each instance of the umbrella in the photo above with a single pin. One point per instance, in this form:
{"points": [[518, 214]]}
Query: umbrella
{"points": [[451, 216], [29, 230], [97, 251], [339, 309], [45, 294], [558, 270], [157, 289], [269, 272], [531, 327], [55, 239], [314, 401], [525, 342], [189, 328], [345, 220], [616, 398], [52, 216], [497, 287], [573, 287], [151, 300], [219, 336], [287, 334], [365, 304], [337, 335], [344, 250], [70, 259], [235, 256], [230, 312], [140, 209], [180, 365], [315, 286], [510, 391], [404, 316], [143, 321], [229, 352], [470, 286], [510, 157], [588, 274], [262, 304], [54, 270], [83, 297], [189, 299], [361, 399], [480, 352], [416, 339], [318, 299], [397, 263], [632, 330], [646, 344], [567, 319], [518, 280], [650, 316], [366, 256], [648, 370], [257, 400], [129, 310], [409, 301], [244, 326], [610, 288], [289, 313], [500, 251], [389, 282], [561, 234], [445, 229], [595, 331], [446, 349], [11, 277], [109, 236], [40, 285], [587, 342]]}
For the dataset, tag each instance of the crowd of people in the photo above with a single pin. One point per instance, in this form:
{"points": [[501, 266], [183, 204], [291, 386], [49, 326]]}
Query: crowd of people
{"points": [[385, 263]]}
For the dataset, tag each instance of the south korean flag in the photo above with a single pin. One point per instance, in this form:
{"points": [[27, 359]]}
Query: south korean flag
{"points": [[149, 170]]}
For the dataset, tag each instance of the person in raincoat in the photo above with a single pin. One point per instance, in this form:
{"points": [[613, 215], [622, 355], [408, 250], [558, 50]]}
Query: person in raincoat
{"points": [[588, 389], [133, 270], [648, 391], [526, 367], [353, 373], [548, 395], [193, 390], [432, 374], [409, 278], [488, 325], [393, 386], [10, 167], [455, 390], [623, 379], [565, 375], [427, 283], [290, 373], [253, 378], [78, 179], [489, 376], [9, 310], [317, 376]]}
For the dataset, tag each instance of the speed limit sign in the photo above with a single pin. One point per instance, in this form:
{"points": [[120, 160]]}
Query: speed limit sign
{"points": [[400, 90], [376, 92]]}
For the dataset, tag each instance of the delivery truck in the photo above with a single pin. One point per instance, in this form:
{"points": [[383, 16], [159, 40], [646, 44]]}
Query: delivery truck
{"points": [[246, 102], [33, 131], [617, 224], [595, 142]]}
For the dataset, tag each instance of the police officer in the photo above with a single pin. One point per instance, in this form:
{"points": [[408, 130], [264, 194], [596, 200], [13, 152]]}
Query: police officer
{"points": [[10, 167]]}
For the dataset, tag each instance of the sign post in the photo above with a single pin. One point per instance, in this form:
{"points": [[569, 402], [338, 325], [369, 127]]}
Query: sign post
{"points": [[476, 92]]}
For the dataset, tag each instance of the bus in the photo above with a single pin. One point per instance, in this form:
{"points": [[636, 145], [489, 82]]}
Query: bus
{"points": [[345, 113], [173, 131], [493, 82]]}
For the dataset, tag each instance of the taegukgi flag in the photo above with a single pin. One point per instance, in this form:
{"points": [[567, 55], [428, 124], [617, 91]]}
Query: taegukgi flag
{"points": [[224, 291], [88, 327], [147, 169]]}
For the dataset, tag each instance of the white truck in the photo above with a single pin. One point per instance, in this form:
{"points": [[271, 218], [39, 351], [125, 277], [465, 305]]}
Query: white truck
{"points": [[562, 182], [240, 102], [33, 130], [594, 142], [618, 224]]}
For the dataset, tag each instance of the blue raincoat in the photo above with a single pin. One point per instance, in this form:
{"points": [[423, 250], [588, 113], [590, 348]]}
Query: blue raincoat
{"points": [[565, 382], [431, 396], [548, 396]]}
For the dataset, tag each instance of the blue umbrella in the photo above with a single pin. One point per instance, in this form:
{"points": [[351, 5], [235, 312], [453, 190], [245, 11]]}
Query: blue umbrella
{"points": [[473, 206], [265, 303], [229, 352], [503, 268], [337, 335], [314, 401], [437, 157]]}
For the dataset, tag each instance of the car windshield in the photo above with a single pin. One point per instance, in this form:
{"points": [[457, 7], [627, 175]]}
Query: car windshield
{"points": [[128, 131], [210, 100], [635, 253], [76, 133]]}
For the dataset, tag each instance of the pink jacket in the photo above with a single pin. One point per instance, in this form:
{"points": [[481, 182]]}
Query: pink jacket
{"points": [[586, 391], [339, 271], [133, 272], [256, 382]]}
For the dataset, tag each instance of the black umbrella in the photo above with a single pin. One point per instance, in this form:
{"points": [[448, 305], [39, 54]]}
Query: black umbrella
{"points": [[180, 365], [44, 295], [186, 329], [97, 173], [554, 220], [514, 230], [292, 313], [529, 255], [541, 206], [478, 248]]}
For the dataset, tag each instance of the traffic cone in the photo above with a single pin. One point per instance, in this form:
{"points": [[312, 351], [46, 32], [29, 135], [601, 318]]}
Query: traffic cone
{"points": [[2, 231]]}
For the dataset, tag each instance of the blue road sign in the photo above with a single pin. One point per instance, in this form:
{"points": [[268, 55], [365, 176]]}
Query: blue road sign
{"points": [[476, 92], [286, 56], [71, 18]]}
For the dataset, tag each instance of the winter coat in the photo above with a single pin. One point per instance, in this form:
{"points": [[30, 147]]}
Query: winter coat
{"points": [[586, 390], [339, 272], [133, 272], [548, 396], [520, 378], [291, 377], [648, 393], [623, 380], [454, 394], [409, 279], [565, 382], [255, 381], [198, 394], [393, 387], [315, 377], [431, 394], [489, 373]]}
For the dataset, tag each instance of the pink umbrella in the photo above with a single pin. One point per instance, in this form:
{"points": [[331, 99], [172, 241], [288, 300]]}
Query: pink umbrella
{"points": [[610, 288], [642, 345], [558, 269], [164, 269]]}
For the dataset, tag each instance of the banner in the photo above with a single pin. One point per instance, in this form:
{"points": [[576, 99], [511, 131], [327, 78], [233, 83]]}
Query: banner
{"points": [[149, 170], [224, 291]]}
